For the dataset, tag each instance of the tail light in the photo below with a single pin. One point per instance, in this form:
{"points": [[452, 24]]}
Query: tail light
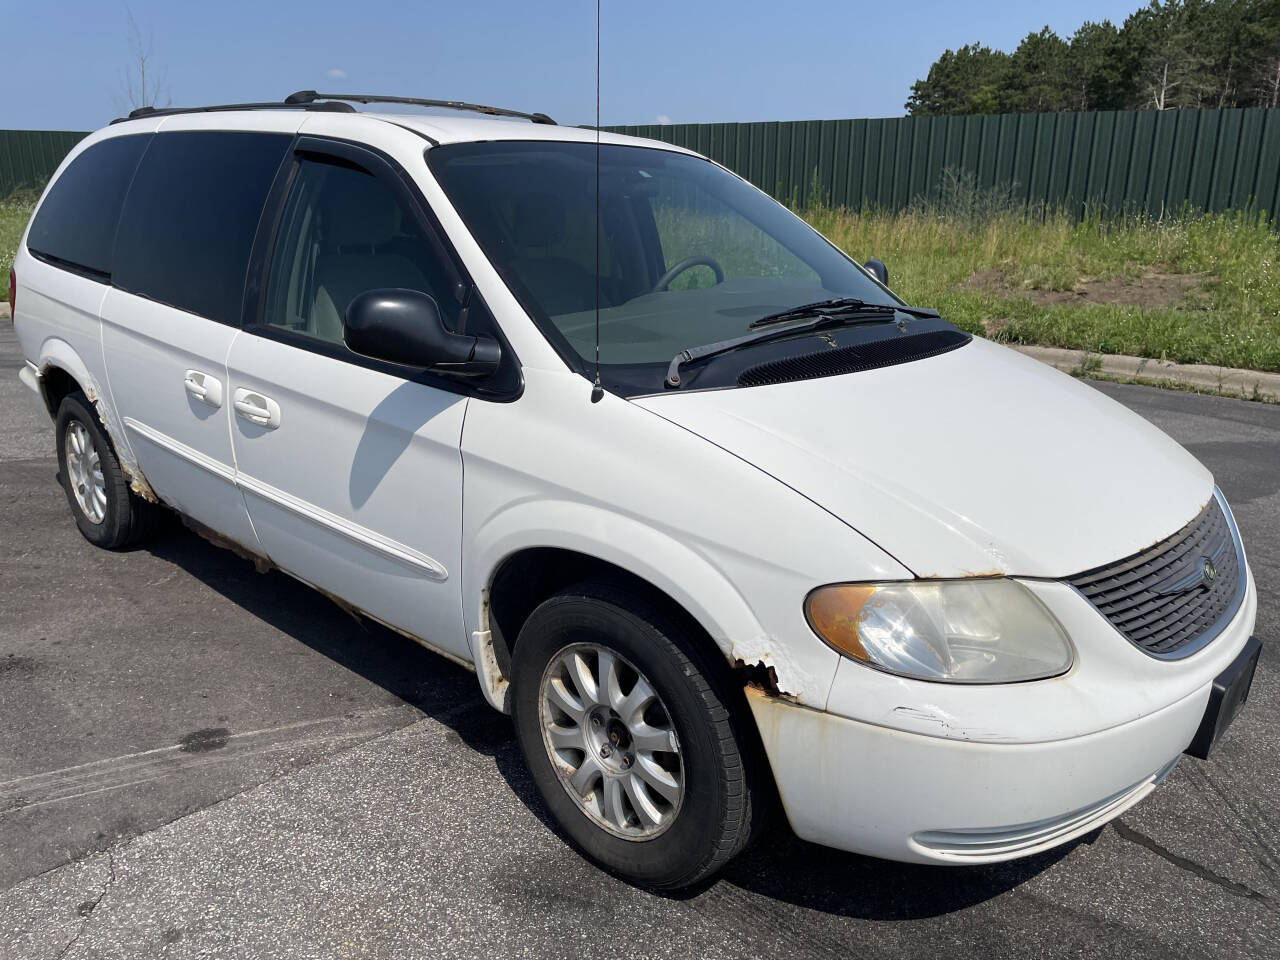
{"points": [[13, 291]]}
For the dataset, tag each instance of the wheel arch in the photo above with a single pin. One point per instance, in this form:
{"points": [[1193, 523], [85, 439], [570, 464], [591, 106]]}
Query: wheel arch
{"points": [[510, 575], [527, 577], [61, 372]]}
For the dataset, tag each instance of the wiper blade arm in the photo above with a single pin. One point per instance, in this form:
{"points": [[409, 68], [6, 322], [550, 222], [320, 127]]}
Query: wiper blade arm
{"points": [[821, 308], [838, 306], [837, 319]]}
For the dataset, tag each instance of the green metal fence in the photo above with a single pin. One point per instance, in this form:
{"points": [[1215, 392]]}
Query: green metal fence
{"points": [[1143, 160], [29, 157]]}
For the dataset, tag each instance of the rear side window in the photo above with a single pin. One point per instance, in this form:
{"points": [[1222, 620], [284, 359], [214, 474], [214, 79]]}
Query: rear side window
{"points": [[190, 218], [77, 221]]}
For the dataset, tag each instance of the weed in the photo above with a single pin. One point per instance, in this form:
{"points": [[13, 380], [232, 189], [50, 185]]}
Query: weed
{"points": [[14, 214], [1231, 317]]}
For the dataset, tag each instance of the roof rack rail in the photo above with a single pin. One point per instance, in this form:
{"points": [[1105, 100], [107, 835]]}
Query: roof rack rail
{"points": [[334, 103], [304, 97], [331, 106]]}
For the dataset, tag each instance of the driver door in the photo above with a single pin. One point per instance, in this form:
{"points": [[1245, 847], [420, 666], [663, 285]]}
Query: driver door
{"points": [[351, 467]]}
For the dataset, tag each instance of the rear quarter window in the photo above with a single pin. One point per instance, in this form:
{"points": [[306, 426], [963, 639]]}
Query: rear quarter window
{"points": [[77, 220], [190, 218]]}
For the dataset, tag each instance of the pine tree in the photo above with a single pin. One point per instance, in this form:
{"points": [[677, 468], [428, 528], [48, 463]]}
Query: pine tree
{"points": [[1098, 71], [971, 79], [1170, 53], [1175, 68], [1038, 73]]}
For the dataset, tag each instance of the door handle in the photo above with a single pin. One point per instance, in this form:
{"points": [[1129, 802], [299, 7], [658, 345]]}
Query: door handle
{"points": [[200, 386], [256, 408]]}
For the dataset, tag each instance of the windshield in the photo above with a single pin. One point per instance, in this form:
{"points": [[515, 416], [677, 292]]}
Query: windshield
{"points": [[688, 255]]}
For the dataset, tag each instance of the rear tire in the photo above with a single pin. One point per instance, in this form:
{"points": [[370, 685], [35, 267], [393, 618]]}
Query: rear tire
{"points": [[108, 513], [649, 833]]}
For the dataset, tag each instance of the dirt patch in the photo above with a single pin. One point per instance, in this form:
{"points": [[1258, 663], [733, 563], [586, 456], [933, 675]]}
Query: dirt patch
{"points": [[993, 327], [1152, 289]]}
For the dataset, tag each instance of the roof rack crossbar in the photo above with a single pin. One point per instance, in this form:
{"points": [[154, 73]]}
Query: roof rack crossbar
{"points": [[331, 106], [303, 97]]}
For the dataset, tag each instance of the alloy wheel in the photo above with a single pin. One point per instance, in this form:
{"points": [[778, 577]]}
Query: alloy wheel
{"points": [[84, 470], [611, 741]]}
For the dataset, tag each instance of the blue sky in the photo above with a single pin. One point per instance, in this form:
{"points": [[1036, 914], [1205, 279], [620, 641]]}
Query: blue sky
{"points": [[690, 61]]}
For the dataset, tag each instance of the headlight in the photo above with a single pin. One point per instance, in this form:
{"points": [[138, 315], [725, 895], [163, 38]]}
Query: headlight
{"points": [[964, 631]]}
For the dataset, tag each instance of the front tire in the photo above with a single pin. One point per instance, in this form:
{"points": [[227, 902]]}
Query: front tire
{"points": [[107, 512], [627, 731]]}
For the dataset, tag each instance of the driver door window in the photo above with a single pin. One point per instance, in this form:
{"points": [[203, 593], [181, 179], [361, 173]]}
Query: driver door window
{"points": [[343, 232]]}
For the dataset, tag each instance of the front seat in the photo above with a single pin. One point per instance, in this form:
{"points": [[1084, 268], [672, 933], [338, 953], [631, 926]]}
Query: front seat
{"points": [[558, 283], [356, 224]]}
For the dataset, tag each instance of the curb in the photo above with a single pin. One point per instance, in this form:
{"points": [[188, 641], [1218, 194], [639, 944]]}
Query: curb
{"points": [[1199, 377]]}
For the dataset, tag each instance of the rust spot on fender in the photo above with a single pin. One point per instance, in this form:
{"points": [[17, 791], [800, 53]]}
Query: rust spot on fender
{"points": [[762, 677], [990, 573], [138, 484], [497, 688], [764, 663]]}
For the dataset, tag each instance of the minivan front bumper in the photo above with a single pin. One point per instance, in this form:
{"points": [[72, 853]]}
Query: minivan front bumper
{"points": [[906, 795]]}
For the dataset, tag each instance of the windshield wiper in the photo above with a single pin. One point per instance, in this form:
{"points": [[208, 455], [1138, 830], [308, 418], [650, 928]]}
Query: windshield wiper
{"points": [[838, 306], [872, 313], [822, 308]]}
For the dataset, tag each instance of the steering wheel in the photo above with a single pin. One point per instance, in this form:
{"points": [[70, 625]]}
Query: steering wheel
{"points": [[688, 262]]}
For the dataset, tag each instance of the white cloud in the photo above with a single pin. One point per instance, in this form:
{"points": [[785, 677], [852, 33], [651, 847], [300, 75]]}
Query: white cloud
{"points": [[663, 120], [336, 73]]}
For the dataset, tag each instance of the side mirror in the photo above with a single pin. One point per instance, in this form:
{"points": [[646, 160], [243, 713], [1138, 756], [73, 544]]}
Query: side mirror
{"points": [[404, 326], [878, 270]]}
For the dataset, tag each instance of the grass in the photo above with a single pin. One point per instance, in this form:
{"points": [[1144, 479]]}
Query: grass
{"points": [[1230, 317], [15, 211]]}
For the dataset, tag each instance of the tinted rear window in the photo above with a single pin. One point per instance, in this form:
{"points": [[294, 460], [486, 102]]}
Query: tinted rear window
{"points": [[77, 221], [190, 218]]}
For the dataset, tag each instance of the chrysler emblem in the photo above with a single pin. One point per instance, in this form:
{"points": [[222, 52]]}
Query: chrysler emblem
{"points": [[1201, 575], [1208, 572]]}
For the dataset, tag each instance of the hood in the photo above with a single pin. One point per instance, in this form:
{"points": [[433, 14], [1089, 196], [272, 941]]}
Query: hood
{"points": [[977, 462]]}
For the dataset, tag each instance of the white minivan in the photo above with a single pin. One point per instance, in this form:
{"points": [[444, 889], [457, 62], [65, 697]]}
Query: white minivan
{"points": [[713, 514]]}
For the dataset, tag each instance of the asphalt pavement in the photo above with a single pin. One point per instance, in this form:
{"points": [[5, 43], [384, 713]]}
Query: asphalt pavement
{"points": [[200, 760]]}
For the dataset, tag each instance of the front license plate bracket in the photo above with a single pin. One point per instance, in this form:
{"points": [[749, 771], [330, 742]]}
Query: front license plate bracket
{"points": [[1229, 693]]}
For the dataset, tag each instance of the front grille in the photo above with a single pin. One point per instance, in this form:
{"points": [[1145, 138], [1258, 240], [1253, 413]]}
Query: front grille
{"points": [[853, 359], [1174, 597]]}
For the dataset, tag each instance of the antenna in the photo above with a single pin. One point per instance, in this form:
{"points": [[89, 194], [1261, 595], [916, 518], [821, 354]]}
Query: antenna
{"points": [[597, 391]]}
